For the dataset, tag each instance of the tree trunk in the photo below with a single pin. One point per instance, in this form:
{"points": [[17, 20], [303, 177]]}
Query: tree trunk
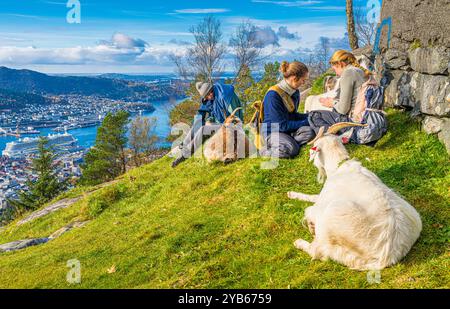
{"points": [[351, 26]]}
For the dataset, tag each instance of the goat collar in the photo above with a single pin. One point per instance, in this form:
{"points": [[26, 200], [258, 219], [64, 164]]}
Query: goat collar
{"points": [[343, 161]]}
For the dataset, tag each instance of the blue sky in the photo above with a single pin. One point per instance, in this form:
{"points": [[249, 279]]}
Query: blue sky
{"points": [[138, 35]]}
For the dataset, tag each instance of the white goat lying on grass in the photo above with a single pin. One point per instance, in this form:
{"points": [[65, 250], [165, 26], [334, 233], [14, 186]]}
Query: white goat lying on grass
{"points": [[357, 220]]}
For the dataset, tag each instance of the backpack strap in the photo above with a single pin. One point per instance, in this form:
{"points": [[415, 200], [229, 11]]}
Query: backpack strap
{"points": [[287, 100], [258, 117], [255, 123]]}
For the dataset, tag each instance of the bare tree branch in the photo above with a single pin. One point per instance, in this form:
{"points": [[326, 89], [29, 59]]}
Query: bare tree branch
{"points": [[247, 51], [364, 30], [181, 66], [323, 54], [205, 57]]}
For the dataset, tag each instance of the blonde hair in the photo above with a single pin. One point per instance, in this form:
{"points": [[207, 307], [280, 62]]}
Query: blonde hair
{"points": [[349, 59], [295, 68]]}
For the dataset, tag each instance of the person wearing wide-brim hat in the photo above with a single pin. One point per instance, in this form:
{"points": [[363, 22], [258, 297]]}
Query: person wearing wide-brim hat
{"points": [[218, 101]]}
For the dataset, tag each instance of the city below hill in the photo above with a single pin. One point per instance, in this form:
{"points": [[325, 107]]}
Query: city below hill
{"points": [[17, 100]]}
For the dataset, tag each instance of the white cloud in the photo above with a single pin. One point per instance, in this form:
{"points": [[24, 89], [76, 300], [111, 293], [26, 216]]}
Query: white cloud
{"points": [[309, 5], [288, 3], [120, 49], [264, 37], [284, 33], [201, 11], [309, 32], [24, 16], [327, 8], [123, 41]]}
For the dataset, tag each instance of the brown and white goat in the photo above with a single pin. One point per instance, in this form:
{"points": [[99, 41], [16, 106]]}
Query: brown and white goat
{"points": [[356, 220], [229, 143]]}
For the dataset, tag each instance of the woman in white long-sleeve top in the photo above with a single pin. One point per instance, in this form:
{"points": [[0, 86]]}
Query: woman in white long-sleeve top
{"points": [[352, 76]]}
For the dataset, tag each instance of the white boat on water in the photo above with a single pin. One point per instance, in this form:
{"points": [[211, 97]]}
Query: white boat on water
{"points": [[29, 145]]}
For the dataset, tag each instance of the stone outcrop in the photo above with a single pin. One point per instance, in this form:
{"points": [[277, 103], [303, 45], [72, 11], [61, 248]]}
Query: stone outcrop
{"points": [[421, 21], [47, 210], [22, 244], [62, 204], [396, 60], [416, 65], [429, 60], [426, 94]]}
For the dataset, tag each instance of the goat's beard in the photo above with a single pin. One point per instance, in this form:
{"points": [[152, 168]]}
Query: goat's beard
{"points": [[322, 175]]}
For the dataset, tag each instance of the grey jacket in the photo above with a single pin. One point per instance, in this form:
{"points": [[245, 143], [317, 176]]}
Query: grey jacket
{"points": [[351, 80]]}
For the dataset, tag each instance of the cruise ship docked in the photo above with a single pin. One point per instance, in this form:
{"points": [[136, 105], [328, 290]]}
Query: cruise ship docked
{"points": [[27, 145]]}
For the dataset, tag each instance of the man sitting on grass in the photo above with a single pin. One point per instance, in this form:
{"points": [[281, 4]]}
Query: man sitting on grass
{"points": [[218, 102]]}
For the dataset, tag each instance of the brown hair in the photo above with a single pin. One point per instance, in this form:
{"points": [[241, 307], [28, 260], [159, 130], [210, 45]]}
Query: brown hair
{"points": [[349, 59], [295, 68]]}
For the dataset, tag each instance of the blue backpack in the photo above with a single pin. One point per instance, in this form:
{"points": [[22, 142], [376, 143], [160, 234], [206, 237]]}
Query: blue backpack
{"points": [[374, 117]]}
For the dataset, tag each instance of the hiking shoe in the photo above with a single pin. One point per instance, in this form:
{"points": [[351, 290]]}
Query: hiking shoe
{"points": [[175, 152], [228, 161], [178, 161]]}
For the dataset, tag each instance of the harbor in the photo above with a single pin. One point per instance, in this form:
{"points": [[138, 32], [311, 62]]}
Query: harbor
{"points": [[71, 145], [86, 132]]}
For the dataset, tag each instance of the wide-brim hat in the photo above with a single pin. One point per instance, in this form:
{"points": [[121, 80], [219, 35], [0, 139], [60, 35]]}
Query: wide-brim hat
{"points": [[203, 88]]}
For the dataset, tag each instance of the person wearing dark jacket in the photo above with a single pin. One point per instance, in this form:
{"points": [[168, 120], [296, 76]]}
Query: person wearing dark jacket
{"points": [[285, 130], [218, 102]]}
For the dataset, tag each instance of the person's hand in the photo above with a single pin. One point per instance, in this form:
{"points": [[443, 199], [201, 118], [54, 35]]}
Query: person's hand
{"points": [[327, 102], [208, 123]]}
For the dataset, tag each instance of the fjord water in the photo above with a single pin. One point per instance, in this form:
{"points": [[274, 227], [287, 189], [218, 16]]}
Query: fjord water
{"points": [[86, 136]]}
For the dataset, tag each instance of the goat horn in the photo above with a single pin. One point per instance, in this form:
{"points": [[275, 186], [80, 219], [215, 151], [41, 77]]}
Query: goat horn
{"points": [[319, 135], [339, 126], [235, 111]]}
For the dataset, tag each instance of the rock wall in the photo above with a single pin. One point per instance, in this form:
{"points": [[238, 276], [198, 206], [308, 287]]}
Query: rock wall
{"points": [[417, 62]]}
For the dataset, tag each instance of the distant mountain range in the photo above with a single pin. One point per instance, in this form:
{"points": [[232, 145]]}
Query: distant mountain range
{"points": [[31, 82]]}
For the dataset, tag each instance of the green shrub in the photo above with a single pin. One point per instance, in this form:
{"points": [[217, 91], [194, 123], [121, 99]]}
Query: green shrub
{"points": [[99, 202], [415, 45], [318, 84], [184, 112]]}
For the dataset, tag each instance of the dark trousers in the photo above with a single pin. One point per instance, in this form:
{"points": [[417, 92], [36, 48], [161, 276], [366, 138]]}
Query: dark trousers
{"points": [[287, 145], [326, 119], [196, 137]]}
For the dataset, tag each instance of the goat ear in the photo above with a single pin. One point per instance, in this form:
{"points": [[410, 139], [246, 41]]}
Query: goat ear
{"points": [[313, 153]]}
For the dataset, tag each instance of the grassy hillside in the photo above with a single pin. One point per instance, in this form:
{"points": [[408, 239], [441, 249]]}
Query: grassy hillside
{"points": [[203, 226]]}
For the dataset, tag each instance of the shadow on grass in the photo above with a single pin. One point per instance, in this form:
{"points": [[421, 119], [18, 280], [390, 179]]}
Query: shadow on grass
{"points": [[409, 178]]}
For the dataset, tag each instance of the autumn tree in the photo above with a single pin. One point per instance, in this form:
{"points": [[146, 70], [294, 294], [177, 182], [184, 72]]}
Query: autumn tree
{"points": [[142, 139]]}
